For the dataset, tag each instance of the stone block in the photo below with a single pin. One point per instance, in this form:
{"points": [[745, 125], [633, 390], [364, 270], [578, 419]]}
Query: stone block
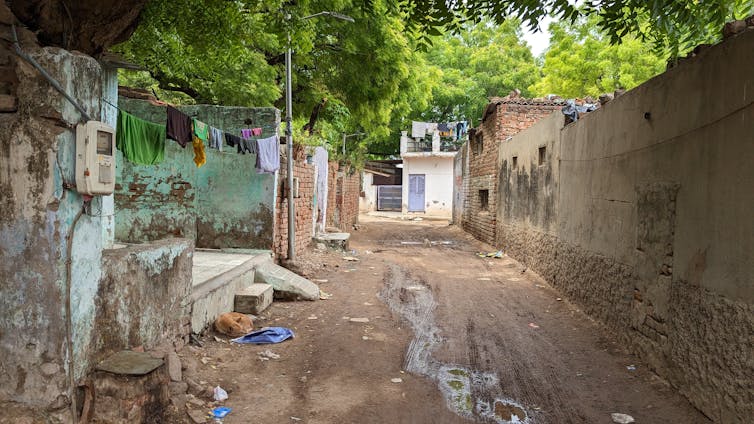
{"points": [[174, 366], [253, 299], [126, 395], [286, 284], [335, 241], [8, 103]]}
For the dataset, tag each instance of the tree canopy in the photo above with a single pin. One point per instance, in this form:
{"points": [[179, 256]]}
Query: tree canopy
{"points": [[404, 60], [581, 61], [673, 25]]}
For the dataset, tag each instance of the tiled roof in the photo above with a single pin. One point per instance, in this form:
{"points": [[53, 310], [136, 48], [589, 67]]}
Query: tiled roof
{"points": [[539, 101]]}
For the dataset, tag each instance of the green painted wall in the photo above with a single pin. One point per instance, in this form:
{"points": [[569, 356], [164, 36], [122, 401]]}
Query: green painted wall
{"points": [[225, 203]]}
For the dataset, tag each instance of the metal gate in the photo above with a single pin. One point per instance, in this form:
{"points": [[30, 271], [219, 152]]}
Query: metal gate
{"points": [[389, 197]]}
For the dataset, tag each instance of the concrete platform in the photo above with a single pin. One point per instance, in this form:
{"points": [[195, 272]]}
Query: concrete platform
{"points": [[335, 241], [217, 276]]}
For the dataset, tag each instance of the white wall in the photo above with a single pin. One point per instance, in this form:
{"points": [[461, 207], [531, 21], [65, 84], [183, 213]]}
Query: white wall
{"points": [[368, 203], [438, 183]]}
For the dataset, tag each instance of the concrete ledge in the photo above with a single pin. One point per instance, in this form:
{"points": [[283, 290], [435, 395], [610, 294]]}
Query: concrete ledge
{"points": [[216, 295], [205, 288]]}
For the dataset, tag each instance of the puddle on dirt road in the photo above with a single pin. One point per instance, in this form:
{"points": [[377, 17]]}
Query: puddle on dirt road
{"points": [[469, 393]]}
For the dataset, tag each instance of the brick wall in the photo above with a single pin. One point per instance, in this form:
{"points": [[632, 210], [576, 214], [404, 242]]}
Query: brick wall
{"points": [[348, 199], [504, 119], [343, 189], [303, 205]]}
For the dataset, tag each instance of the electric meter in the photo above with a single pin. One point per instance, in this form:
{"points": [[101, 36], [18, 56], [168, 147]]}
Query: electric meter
{"points": [[95, 158]]}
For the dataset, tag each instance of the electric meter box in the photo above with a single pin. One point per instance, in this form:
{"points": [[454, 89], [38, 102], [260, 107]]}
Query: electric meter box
{"points": [[95, 158]]}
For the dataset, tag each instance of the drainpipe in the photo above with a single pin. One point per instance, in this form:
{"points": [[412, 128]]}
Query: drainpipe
{"points": [[289, 143], [69, 315]]}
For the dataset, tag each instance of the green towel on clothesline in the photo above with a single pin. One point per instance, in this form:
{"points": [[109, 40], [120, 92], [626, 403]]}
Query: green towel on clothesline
{"points": [[201, 130], [142, 142]]}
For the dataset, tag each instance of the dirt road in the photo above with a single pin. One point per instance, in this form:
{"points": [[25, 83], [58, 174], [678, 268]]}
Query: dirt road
{"points": [[450, 338]]}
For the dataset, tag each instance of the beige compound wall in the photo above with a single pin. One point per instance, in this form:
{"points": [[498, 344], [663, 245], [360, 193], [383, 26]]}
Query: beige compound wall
{"points": [[643, 213]]}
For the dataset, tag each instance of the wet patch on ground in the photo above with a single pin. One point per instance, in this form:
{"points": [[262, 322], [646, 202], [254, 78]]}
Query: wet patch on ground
{"points": [[469, 393]]}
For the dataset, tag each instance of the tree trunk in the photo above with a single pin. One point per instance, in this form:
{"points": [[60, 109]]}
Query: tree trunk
{"points": [[89, 26], [315, 114]]}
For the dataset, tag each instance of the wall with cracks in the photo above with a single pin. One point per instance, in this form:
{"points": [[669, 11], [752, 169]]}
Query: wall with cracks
{"points": [[640, 212]]}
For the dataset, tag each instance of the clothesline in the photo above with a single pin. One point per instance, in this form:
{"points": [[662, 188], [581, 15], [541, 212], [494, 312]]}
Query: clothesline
{"points": [[143, 142]]}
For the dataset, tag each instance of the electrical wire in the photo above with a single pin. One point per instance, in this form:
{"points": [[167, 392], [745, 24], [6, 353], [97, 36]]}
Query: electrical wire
{"points": [[56, 85]]}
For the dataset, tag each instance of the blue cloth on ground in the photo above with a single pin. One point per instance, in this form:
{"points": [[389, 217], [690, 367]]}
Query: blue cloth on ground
{"points": [[266, 335], [221, 412]]}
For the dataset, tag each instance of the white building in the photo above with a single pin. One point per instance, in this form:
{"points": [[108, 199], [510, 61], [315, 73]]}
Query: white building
{"points": [[427, 176]]}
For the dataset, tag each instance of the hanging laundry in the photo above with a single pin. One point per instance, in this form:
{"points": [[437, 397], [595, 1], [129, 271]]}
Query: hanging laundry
{"points": [[444, 130], [216, 138], [247, 146], [256, 132], [142, 142], [178, 126], [232, 140], [251, 146], [268, 155], [246, 133], [201, 130], [418, 129], [320, 160], [200, 157]]}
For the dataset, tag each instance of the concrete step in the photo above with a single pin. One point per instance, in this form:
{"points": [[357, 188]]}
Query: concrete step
{"points": [[286, 284], [215, 286], [253, 299], [335, 241]]}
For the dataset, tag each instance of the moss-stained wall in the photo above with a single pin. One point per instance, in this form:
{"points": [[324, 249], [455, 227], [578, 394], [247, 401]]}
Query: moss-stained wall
{"points": [[36, 214], [225, 203]]}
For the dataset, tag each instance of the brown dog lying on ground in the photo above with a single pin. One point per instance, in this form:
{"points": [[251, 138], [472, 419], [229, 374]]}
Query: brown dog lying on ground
{"points": [[233, 324]]}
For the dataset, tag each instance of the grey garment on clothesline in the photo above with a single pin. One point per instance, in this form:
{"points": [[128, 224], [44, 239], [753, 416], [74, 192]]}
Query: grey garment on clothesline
{"points": [[216, 138]]}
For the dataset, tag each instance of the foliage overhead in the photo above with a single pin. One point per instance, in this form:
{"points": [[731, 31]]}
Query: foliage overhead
{"points": [[673, 25], [581, 61], [404, 60], [479, 62], [232, 53]]}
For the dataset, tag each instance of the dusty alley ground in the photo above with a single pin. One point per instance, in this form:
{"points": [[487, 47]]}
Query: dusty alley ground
{"points": [[471, 340]]}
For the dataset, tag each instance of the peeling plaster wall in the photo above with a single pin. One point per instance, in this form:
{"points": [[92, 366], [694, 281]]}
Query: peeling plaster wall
{"points": [[36, 156], [506, 118], [223, 204], [642, 214]]}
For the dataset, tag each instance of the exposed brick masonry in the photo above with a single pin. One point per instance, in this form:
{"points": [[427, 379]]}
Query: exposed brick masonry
{"points": [[344, 187], [303, 205], [505, 119]]}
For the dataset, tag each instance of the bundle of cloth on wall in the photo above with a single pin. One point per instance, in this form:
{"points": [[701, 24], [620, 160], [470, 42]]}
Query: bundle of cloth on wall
{"points": [[143, 142]]}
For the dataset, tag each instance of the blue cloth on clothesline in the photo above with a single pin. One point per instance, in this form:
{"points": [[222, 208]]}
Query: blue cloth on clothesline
{"points": [[266, 335]]}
